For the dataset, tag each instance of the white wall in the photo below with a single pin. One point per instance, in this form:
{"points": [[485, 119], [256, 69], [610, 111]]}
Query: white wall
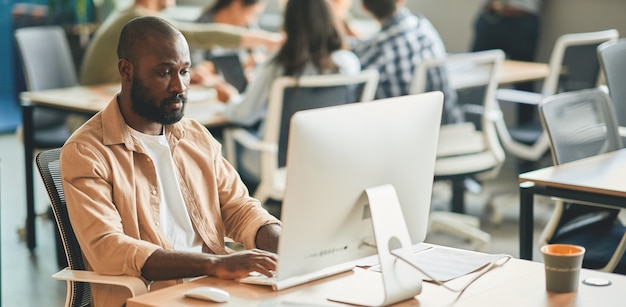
{"points": [[454, 19]]}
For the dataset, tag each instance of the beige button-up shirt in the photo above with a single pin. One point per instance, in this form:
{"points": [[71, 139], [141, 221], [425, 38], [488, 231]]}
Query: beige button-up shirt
{"points": [[112, 195]]}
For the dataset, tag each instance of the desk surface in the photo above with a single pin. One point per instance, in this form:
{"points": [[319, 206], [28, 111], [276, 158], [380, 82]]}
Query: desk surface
{"points": [[464, 75], [202, 104], [602, 174], [518, 71], [516, 283]]}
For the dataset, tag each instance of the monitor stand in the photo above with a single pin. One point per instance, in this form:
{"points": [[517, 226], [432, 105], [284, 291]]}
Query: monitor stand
{"points": [[398, 281]]}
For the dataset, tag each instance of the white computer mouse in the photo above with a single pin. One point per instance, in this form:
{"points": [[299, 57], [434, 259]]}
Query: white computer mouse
{"points": [[208, 294]]}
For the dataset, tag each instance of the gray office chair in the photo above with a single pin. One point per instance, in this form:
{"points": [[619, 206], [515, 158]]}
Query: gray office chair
{"points": [[287, 96], [573, 66], [47, 63], [76, 275], [612, 56], [46, 59], [581, 124]]}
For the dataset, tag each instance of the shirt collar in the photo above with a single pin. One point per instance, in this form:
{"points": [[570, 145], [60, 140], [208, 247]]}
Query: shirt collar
{"points": [[116, 131]]}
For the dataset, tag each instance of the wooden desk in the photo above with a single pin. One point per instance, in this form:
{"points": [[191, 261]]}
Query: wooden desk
{"points": [[465, 76], [598, 179], [516, 283], [518, 71], [201, 106]]}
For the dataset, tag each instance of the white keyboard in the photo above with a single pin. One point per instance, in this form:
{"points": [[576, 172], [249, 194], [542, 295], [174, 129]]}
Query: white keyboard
{"points": [[279, 284], [259, 279]]}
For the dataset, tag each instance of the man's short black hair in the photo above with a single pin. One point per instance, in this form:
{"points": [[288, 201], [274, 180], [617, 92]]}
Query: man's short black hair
{"points": [[381, 9], [135, 34]]}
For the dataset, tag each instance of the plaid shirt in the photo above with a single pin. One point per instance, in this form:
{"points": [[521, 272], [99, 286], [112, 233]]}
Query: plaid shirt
{"points": [[402, 43]]}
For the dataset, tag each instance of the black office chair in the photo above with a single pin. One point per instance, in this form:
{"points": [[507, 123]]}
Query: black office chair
{"points": [[582, 124], [76, 275]]}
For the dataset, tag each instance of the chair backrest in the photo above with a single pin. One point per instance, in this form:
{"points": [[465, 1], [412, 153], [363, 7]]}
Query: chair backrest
{"points": [[289, 95], [431, 75], [612, 56], [470, 71], [50, 170], [46, 57], [47, 63], [25, 15], [573, 62], [579, 124]]}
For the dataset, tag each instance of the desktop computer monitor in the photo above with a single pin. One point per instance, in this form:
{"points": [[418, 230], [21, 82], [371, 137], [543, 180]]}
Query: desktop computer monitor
{"points": [[333, 155]]}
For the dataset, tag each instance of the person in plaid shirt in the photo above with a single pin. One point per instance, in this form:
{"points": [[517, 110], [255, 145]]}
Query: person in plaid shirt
{"points": [[405, 40]]}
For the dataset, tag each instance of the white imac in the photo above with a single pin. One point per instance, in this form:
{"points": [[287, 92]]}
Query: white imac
{"points": [[334, 155]]}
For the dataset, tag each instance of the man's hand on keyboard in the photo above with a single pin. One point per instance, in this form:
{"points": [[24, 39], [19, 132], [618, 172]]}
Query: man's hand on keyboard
{"points": [[242, 263]]}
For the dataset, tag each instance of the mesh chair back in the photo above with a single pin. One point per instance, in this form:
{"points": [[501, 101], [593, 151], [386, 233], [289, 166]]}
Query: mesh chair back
{"points": [[573, 62], [612, 57], [580, 124], [300, 99], [290, 95], [49, 168], [46, 57], [580, 68], [47, 63]]}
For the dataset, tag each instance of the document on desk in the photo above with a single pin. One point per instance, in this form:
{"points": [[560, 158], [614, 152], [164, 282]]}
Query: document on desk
{"points": [[446, 264]]}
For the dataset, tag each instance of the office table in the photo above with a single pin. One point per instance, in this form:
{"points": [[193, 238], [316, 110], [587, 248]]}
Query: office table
{"points": [[519, 71], [598, 180], [516, 283], [202, 106], [467, 75]]}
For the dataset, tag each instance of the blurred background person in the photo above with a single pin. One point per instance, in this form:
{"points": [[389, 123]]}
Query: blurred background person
{"points": [[241, 13], [313, 46], [513, 26], [405, 40], [99, 63]]}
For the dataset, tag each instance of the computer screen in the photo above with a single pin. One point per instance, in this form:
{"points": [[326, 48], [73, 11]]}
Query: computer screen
{"points": [[333, 155]]}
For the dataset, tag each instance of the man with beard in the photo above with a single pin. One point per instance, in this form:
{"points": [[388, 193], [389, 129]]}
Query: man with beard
{"points": [[148, 191]]}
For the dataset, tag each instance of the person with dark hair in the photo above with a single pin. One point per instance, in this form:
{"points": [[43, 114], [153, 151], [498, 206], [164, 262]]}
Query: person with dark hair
{"points": [[98, 64], [313, 46], [403, 41], [241, 13], [148, 192]]}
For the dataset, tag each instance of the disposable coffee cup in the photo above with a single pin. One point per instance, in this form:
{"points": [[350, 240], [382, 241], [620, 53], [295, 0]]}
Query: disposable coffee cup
{"points": [[562, 264]]}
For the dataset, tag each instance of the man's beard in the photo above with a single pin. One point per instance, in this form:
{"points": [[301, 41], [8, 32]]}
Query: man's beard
{"points": [[146, 106]]}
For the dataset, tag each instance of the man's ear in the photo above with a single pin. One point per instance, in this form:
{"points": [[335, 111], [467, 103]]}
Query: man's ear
{"points": [[126, 69]]}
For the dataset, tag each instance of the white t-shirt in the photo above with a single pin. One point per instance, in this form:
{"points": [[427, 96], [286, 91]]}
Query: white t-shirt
{"points": [[174, 219]]}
